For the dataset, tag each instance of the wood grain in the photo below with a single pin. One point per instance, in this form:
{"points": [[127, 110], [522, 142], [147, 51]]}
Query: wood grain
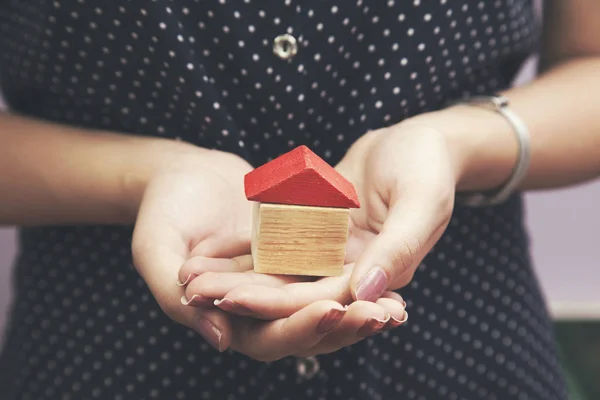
{"points": [[299, 240]]}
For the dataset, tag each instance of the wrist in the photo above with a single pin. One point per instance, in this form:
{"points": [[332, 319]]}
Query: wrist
{"points": [[66, 175], [144, 159], [482, 144]]}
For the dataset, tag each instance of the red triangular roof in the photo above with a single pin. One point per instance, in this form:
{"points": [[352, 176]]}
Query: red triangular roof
{"points": [[300, 177]]}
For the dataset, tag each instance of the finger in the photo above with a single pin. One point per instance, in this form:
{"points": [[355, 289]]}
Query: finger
{"points": [[359, 323], [393, 295], [195, 266], [214, 326], [273, 340], [211, 286], [413, 225], [362, 320], [158, 252], [280, 301], [396, 310]]}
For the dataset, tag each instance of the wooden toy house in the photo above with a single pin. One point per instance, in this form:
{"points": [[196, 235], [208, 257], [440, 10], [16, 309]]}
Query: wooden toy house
{"points": [[301, 215]]}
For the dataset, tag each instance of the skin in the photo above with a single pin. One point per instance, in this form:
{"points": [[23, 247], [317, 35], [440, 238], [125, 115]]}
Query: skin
{"points": [[157, 184]]}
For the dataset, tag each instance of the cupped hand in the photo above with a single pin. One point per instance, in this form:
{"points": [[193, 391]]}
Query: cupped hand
{"points": [[405, 176], [193, 205], [274, 316], [195, 208]]}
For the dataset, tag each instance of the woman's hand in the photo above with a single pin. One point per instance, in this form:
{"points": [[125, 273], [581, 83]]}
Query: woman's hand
{"points": [[195, 209], [406, 177], [274, 316], [193, 205]]}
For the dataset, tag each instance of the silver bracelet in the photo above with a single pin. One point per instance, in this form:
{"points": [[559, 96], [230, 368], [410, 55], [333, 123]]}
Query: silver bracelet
{"points": [[500, 105]]}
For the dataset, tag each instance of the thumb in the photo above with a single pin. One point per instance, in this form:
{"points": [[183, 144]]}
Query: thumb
{"points": [[389, 261]]}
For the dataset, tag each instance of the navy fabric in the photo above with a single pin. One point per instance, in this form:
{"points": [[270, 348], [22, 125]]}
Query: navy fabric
{"points": [[84, 325]]}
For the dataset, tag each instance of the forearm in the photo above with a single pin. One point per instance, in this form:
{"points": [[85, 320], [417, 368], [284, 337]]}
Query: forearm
{"points": [[52, 174], [561, 110]]}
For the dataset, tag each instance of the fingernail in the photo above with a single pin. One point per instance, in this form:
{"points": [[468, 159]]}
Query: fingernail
{"points": [[188, 280], [234, 308], [401, 300], [372, 285], [394, 322], [330, 320], [372, 326], [197, 301], [209, 332]]}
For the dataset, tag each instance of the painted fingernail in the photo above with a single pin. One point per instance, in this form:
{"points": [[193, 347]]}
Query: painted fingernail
{"points": [[372, 326], [394, 322], [197, 301], [372, 285], [330, 320], [209, 332], [234, 307], [188, 280]]}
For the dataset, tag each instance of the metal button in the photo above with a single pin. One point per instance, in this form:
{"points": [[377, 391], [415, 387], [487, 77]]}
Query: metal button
{"points": [[285, 46], [307, 367]]}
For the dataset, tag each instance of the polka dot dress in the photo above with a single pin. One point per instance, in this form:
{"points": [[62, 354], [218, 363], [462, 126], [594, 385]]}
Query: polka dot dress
{"points": [[258, 78]]}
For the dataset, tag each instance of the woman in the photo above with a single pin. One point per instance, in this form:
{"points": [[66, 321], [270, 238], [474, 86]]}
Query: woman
{"points": [[114, 106]]}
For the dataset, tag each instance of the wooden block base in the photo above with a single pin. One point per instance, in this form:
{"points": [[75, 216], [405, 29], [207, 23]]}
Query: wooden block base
{"points": [[299, 240]]}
